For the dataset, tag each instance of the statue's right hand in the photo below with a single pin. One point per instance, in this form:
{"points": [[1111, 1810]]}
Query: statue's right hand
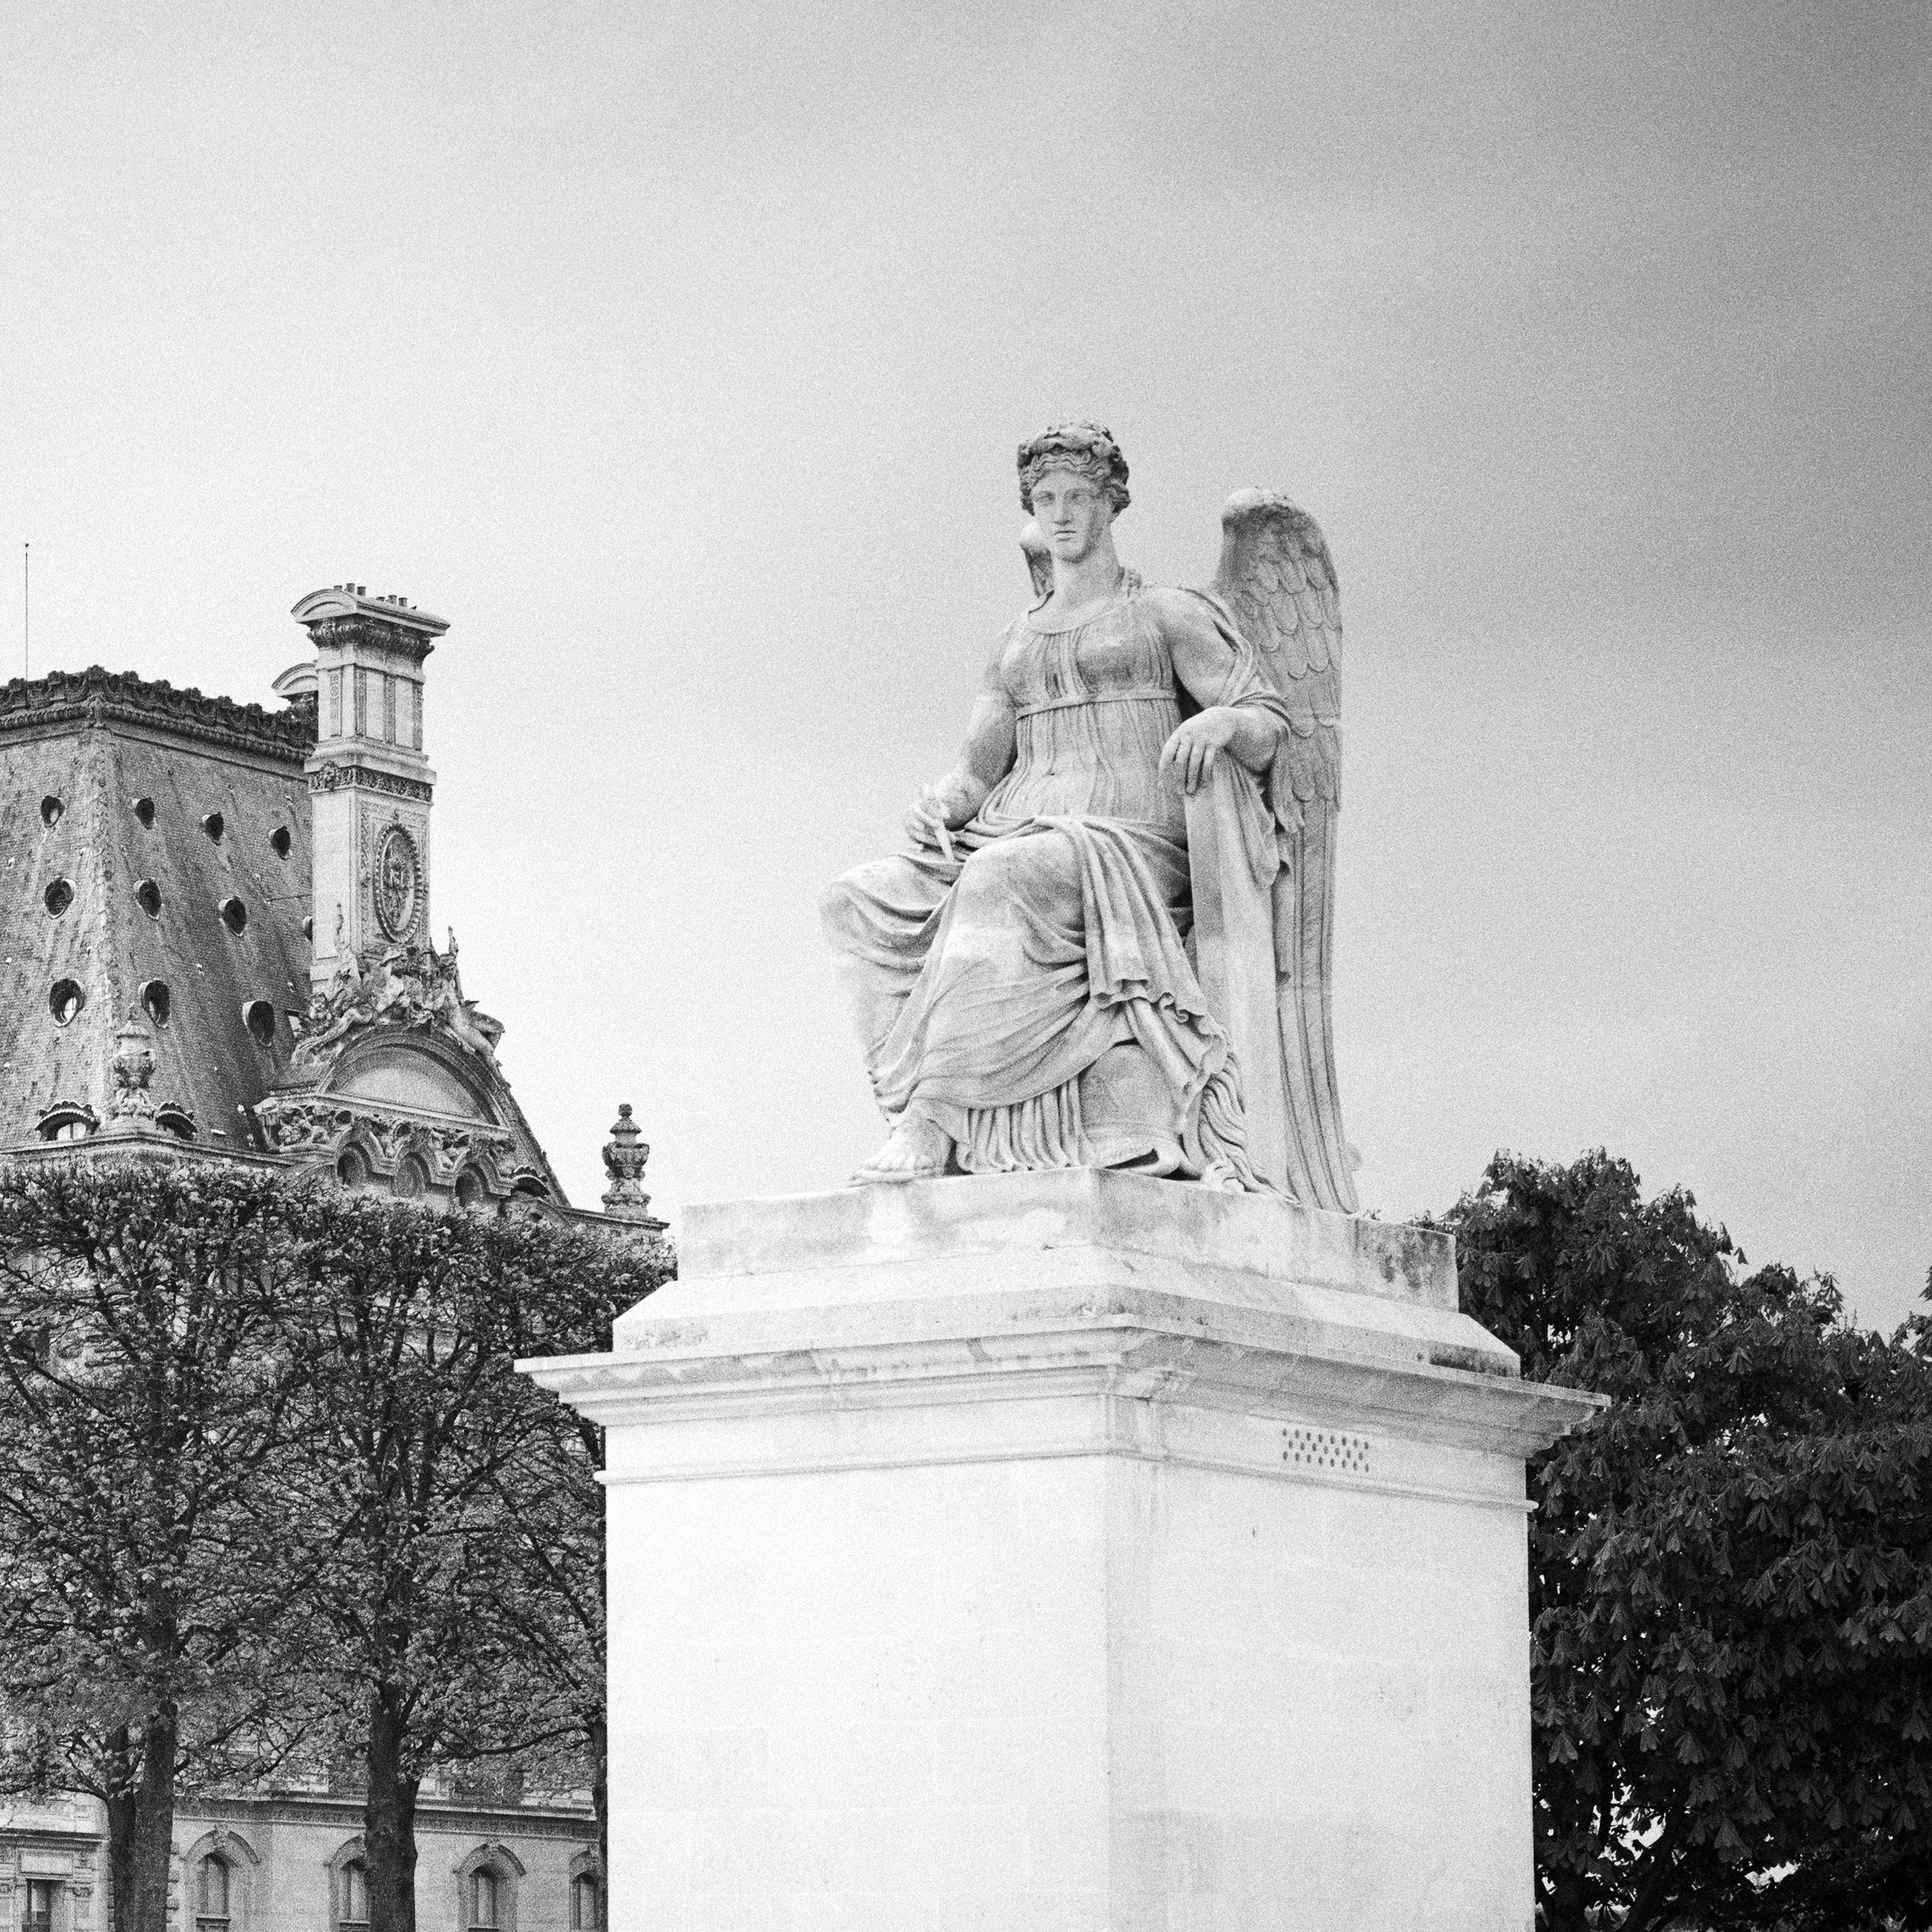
{"points": [[926, 820], [943, 807]]}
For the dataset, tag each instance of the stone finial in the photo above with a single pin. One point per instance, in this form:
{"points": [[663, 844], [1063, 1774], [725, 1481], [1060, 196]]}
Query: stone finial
{"points": [[625, 1154], [133, 1065]]}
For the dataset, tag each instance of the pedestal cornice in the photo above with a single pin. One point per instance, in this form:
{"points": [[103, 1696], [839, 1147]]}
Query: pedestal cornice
{"points": [[1089, 1293]]}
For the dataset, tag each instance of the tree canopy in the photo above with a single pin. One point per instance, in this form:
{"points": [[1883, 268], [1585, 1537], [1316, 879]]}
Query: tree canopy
{"points": [[270, 1484], [1731, 1568], [146, 1399], [457, 1618]]}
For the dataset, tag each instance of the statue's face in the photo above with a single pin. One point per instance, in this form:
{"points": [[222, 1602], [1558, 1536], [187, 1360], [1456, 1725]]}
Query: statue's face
{"points": [[1073, 512]]}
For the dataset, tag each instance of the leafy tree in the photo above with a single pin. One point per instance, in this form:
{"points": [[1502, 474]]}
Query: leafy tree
{"points": [[546, 1565], [1731, 1568], [144, 1401], [419, 1430]]}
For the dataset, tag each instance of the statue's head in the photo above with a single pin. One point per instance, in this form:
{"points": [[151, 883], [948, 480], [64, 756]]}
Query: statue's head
{"points": [[1082, 449]]}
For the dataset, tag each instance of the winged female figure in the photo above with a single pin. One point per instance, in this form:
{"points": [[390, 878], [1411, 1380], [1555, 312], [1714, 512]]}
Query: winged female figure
{"points": [[1108, 944]]}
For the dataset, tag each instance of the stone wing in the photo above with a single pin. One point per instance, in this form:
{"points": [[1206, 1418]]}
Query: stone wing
{"points": [[1276, 578]]}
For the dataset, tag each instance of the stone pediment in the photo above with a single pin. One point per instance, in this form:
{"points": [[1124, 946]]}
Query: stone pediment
{"points": [[395, 1081]]}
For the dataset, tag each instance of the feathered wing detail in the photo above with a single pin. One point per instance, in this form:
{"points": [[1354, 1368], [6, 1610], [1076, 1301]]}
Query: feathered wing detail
{"points": [[1278, 581], [1039, 561]]}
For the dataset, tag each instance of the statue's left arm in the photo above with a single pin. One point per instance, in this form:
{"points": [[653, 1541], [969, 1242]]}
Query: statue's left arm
{"points": [[1240, 713]]}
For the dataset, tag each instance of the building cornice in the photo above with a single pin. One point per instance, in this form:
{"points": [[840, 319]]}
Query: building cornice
{"points": [[459, 1819], [97, 696]]}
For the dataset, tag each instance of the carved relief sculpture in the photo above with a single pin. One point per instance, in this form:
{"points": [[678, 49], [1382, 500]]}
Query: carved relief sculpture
{"points": [[1109, 944], [396, 876], [402, 986]]}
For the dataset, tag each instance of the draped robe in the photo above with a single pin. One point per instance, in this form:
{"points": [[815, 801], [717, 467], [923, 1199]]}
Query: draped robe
{"points": [[1044, 1010]]}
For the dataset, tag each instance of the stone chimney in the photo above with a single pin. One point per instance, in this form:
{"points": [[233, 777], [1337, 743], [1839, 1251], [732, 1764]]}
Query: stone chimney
{"points": [[370, 785]]}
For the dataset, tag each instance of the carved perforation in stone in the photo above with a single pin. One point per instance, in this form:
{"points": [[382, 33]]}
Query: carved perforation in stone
{"points": [[1325, 1449]]}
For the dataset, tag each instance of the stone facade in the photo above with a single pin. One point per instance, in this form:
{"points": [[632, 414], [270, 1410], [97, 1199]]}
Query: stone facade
{"points": [[289, 1861]]}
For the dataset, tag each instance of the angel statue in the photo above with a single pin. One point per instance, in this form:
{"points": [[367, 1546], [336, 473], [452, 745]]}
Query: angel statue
{"points": [[1109, 944]]}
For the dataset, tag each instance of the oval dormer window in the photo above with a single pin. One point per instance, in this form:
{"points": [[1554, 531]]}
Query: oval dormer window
{"points": [[65, 1000], [58, 898], [234, 914]]}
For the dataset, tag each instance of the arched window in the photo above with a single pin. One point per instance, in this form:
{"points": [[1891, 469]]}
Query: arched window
{"points": [[485, 1897], [486, 1888], [352, 1897], [211, 1895], [214, 1891], [586, 1904]]}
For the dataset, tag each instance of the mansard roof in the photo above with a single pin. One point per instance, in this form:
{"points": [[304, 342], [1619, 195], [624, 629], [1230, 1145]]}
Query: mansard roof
{"points": [[156, 865]]}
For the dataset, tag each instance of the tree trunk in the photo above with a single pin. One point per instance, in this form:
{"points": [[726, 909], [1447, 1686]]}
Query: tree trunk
{"points": [[141, 1825], [1653, 1905], [1565, 1904], [598, 1735], [389, 1817], [119, 1799]]}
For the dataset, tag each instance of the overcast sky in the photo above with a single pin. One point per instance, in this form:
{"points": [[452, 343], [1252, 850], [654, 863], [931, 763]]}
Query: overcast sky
{"points": [[676, 354]]}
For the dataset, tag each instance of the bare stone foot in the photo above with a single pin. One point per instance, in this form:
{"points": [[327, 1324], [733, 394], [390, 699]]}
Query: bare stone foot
{"points": [[917, 1149]]}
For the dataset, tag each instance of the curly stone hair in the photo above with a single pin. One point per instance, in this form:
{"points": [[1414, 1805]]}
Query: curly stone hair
{"points": [[1085, 447]]}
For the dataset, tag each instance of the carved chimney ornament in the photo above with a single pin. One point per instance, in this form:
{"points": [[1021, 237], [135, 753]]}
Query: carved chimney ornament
{"points": [[625, 1154], [133, 1065]]}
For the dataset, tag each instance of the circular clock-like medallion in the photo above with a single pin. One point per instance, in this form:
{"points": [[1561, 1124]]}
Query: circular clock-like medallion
{"points": [[398, 883]]}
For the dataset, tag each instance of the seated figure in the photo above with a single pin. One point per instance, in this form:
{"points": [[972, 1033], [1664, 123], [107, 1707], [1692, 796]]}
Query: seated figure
{"points": [[1021, 978]]}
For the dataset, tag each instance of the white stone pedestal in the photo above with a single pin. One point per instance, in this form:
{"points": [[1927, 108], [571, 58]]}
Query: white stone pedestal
{"points": [[1068, 1550]]}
